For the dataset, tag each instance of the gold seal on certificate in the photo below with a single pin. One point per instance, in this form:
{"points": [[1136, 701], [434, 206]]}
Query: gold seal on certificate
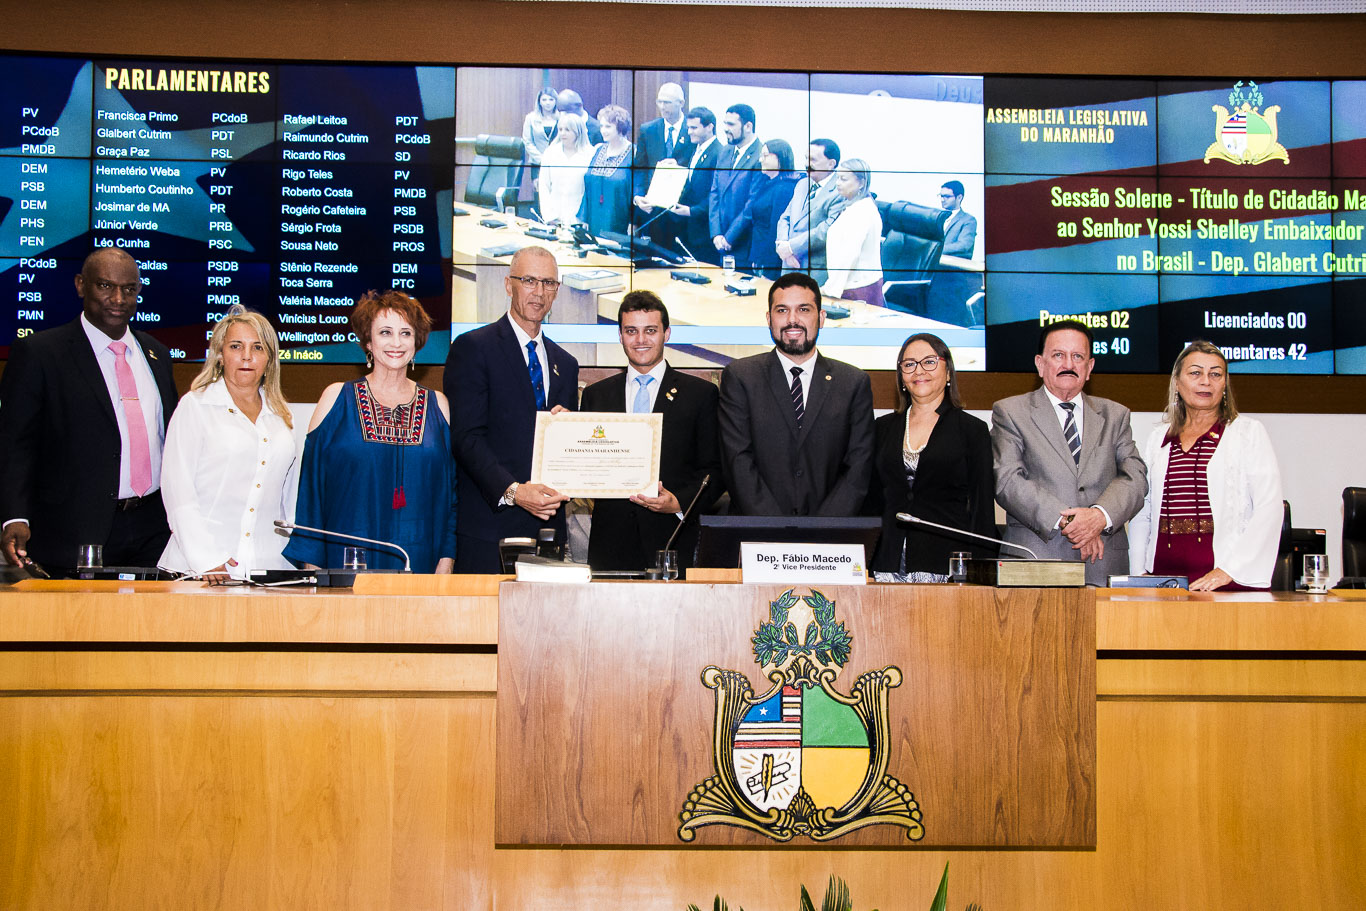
{"points": [[597, 453]]}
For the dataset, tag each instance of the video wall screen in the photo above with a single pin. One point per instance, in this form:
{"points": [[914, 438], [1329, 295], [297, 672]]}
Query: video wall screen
{"points": [[976, 208]]}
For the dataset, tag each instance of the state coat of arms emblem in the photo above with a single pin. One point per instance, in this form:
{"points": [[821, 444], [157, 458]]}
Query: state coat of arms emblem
{"points": [[801, 758], [1246, 135]]}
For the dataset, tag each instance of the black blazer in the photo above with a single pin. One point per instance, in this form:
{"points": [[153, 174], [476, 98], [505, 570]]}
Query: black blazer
{"points": [[624, 535], [772, 469], [697, 197], [954, 485], [493, 427], [729, 194], [59, 439], [650, 150]]}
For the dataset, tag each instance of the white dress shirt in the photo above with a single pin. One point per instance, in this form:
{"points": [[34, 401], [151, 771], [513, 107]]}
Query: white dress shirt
{"points": [[652, 390], [522, 339], [149, 397], [1078, 417], [225, 481], [806, 367]]}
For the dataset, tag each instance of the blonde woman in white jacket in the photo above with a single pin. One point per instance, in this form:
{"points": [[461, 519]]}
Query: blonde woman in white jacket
{"points": [[1213, 510]]}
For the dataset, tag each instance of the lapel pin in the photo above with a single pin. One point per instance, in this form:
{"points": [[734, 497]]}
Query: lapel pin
{"points": [[555, 369], [828, 377], [152, 355]]}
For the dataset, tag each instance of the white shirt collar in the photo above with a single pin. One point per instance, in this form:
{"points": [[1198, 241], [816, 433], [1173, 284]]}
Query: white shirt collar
{"points": [[657, 371], [1057, 401], [523, 338], [99, 341], [788, 363]]}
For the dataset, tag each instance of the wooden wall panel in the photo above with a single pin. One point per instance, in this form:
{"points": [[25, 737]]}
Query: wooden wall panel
{"points": [[605, 727]]}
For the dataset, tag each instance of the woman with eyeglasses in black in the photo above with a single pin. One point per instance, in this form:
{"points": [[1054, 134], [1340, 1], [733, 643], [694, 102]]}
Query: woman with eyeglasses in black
{"points": [[932, 460]]}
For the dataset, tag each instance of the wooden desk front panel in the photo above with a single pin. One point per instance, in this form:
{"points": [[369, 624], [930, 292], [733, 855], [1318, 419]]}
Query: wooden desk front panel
{"points": [[604, 725]]}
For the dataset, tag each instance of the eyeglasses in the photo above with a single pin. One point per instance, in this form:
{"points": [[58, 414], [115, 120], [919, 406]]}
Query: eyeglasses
{"points": [[928, 364], [530, 282], [104, 287]]}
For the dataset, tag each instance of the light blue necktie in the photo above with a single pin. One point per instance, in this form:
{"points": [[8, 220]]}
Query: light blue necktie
{"points": [[642, 403], [533, 364]]}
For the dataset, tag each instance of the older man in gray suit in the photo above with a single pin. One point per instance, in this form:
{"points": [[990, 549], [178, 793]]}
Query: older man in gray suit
{"points": [[815, 203], [1067, 471]]}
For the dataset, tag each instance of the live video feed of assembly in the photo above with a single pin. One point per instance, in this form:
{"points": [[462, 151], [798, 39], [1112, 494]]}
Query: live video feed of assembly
{"points": [[1156, 211], [695, 185]]}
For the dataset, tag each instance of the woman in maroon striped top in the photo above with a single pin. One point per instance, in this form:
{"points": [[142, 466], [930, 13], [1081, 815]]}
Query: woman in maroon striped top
{"points": [[1213, 511]]}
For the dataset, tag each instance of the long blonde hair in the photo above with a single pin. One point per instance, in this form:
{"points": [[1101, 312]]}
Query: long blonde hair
{"points": [[270, 380], [1175, 413]]}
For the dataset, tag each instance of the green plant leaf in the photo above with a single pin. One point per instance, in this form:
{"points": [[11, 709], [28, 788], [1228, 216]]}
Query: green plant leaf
{"points": [[790, 634], [813, 635], [941, 898], [806, 901], [837, 895]]}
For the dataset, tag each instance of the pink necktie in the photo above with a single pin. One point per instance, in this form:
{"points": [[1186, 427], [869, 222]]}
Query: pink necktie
{"points": [[140, 472]]}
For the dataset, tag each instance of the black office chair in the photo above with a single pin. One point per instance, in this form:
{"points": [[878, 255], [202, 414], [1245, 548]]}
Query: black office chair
{"points": [[1354, 531], [495, 180], [912, 242], [1284, 575]]}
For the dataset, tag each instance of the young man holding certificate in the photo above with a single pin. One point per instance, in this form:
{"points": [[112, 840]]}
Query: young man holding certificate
{"points": [[626, 533]]}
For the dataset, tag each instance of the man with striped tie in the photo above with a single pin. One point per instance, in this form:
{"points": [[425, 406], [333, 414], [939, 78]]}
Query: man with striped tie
{"points": [[1068, 473], [796, 426]]}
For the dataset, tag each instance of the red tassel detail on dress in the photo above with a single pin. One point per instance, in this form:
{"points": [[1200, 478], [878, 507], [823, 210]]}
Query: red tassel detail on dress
{"points": [[400, 500]]}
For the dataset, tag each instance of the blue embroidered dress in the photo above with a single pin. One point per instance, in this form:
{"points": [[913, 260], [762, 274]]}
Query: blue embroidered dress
{"points": [[379, 473]]}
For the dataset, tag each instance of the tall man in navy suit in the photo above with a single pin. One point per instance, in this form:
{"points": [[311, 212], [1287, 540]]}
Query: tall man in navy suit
{"points": [[688, 219], [734, 173], [796, 426], [626, 533], [83, 422], [497, 377]]}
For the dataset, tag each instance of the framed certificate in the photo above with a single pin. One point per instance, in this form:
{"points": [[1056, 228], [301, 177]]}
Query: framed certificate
{"points": [[597, 453]]}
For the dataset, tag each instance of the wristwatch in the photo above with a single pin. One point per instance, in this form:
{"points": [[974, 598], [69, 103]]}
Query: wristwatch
{"points": [[510, 495]]}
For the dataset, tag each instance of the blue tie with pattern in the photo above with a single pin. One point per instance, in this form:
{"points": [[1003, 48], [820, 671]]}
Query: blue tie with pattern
{"points": [[642, 403], [537, 380]]}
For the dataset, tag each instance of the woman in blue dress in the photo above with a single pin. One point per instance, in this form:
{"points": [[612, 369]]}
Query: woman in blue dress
{"points": [[377, 459]]}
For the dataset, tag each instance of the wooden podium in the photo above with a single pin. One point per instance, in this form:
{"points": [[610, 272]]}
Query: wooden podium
{"points": [[606, 726]]}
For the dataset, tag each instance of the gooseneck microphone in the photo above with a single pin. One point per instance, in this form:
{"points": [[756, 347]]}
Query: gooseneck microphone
{"points": [[907, 517], [706, 479], [679, 241], [290, 526]]}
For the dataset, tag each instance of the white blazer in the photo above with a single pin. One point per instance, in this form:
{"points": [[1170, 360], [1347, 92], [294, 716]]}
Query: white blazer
{"points": [[1245, 500], [225, 481]]}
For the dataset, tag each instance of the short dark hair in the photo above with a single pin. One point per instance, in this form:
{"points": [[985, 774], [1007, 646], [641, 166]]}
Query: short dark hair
{"points": [[703, 114], [1062, 324], [779, 149], [643, 302], [794, 280], [829, 147], [373, 303], [618, 117], [944, 354], [743, 111], [953, 186]]}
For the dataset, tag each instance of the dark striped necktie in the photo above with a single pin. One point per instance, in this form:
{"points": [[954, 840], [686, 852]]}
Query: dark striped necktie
{"points": [[798, 407], [1069, 431]]}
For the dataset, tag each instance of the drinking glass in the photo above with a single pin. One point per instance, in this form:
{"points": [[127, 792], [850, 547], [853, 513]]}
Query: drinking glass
{"points": [[353, 558], [958, 565], [666, 562], [90, 556], [1316, 573]]}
